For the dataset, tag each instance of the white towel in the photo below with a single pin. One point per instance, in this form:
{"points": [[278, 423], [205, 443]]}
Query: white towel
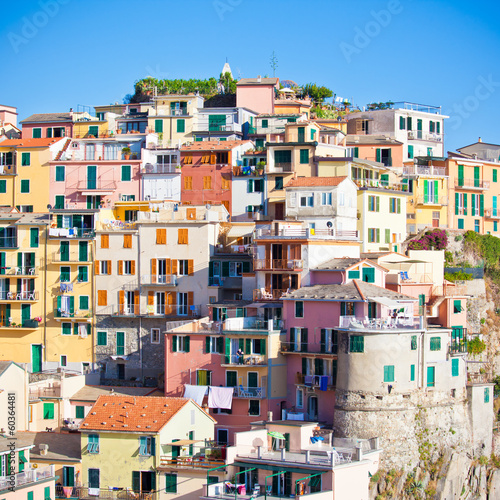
{"points": [[94, 492], [195, 392], [220, 397]]}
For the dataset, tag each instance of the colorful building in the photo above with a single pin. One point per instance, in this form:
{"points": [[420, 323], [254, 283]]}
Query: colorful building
{"points": [[257, 94]]}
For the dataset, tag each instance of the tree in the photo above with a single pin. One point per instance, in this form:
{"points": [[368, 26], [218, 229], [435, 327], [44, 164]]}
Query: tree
{"points": [[318, 94], [229, 84]]}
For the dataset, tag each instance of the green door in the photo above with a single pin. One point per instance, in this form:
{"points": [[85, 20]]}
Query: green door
{"points": [[368, 274], [431, 376], [36, 358], [94, 130], [175, 450], [191, 446], [68, 476], [91, 177], [302, 134], [83, 251], [64, 250], [25, 313], [419, 129]]}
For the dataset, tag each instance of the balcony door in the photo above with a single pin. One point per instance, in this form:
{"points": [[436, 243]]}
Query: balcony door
{"points": [[312, 407], [91, 177], [94, 479]]}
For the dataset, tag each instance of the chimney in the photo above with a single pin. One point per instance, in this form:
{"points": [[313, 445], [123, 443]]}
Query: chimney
{"points": [[44, 449], [259, 79], [269, 416], [480, 140]]}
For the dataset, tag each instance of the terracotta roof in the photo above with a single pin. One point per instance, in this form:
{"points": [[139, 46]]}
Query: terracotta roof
{"points": [[212, 145], [92, 392], [255, 81], [315, 181], [30, 143], [132, 413], [48, 117]]}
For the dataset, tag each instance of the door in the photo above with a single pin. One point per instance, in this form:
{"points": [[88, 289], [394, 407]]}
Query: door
{"points": [[64, 251], [431, 376], [312, 407], [83, 251], [91, 177], [182, 301], [36, 358], [279, 211], [25, 313], [68, 476], [253, 381], [94, 478], [175, 450], [419, 129], [121, 371], [147, 481], [368, 274]]}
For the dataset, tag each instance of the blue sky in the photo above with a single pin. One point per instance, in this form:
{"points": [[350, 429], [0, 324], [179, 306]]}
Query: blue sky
{"points": [[58, 54]]}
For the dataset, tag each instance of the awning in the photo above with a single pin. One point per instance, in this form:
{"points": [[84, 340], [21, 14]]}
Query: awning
{"points": [[183, 442], [240, 231], [390, 303], [97, 192], [274, 468]]}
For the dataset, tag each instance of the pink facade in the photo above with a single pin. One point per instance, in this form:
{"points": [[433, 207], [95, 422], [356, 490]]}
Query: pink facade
{"points": [[8, 114], [256, 96], [63, 129]]}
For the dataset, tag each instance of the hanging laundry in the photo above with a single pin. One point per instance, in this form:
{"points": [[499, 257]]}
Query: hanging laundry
{"points": [[195, 392], [220, 397], [323, 383]]}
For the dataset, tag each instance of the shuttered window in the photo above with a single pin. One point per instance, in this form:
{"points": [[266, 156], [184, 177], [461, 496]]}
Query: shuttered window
{"points": [[357, 343], [455, 367], [48, 411], [389, 373], [181, 125], [102, 338], [188, 183], [127, 241], [102, 297], [182, 236], [435, 343], [161, 236]]}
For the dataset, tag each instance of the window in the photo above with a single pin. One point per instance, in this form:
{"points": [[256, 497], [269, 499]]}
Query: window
{"points": [[60, 173], [457, 306], [158, 126], [226, 183], [48, 411], [25, 186], [374, 203], [460, 223], [389, 373], [278, 182], [127, 241], [299, 309], [207, 182], [63, 360], [307, 201], [102, 297], [486, 394], [120, 343], [126, 173], [25, 159], [395, 205], [80, 412], [477, 224], [304, 156], [128, 267], [155, 335], [356, 343], [495, 175], [102, 338], [34, 237], [180, 343], [83, 274], [435, 343], [455, 367], [3, 186], [182, 236], [265, 123], [146, 446], [104, 240], [161, 236], [387, 235], [83, 302], [374, 235], [183, 267], [93, 443], [171, 483], [181, 125], [37, 133], [326, 198], [299, 398], [402, 123], [214, 345], [353, 275], [59, 201], [65, 274], [413, 342], [254, 407], [105, 266], [66, 328], [412, 373]]}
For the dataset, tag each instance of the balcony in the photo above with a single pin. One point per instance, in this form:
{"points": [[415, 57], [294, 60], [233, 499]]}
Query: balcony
{"points": [[74, 232], [298, 347], [268, 294], [26, 296], [279, 168], [71, 257], [492, 213], [278, 264], [440, 201], [28, 271], [26, 325], [26, 478], [8, 242], [161, 168], [38, 392], [247, 170], [471, 184], [378, 184], [314, 381], [249, 392], [424, 136], [304, 233], [216, 281], [431, 170], [77, 315], [458, 347], [159, 280], [97, 186], [247, 360], [400, 323], [232, 249], [158, 311], [85, 493], [121, 310], [8, 170], [254, 323], [189, 462]]}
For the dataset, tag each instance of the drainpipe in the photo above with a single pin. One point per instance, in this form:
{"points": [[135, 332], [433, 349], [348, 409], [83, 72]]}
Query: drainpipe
{"points": [[45, 296], [92, 289]]}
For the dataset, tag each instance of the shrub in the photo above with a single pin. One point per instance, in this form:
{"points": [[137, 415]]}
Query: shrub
{"points": [[458, 237], [458, 276], [431, 240], [476, 346]]}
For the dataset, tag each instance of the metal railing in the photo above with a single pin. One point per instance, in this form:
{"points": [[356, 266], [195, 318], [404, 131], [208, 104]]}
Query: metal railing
{"points": [[459, 347], [44, 392], [432, 200], [135, 310], [245, 360], [97, 184], [278, 264], [26, 295], [280, 167], [8, 242], [268, 294], [161, 168], [305, 233], [190, 462], [72, 256], [471, 184], [159, 279], [8, 170], [424, 170], [84, 492], [379, 184], [21, 271], [492, 213], [215, 281], [26, 477], [249, 392], [322, 348], [388, 323], [73, 232]]}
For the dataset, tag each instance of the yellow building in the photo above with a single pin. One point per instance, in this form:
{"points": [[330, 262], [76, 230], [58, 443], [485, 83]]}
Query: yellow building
{"points": [[427, 181], [145, 444], [25, 172]]}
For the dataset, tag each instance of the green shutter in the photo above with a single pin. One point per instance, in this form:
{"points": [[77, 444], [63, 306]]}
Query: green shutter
{"points": [[126, 173], [83, 253], [495, 175], [248, 346], [378, 235], [3, 186], [158, 126], [207, 345], [66, 328], [377, 203], [412, 373], [34, 237], [48, 411], [102, 338], [378, 157], [225, 269], [181, 125], [389, 373], [436, 192], [481, 205], [174, 343], [304, 156], [356, 152], [227, 351], [136, 481], [486, 394], [455, 367], [401, 123], [263, 347], [431, 376], [187, 343], [426, 192], [83, 302], [25, 186], [457, 202], [410, 151], [473, 204], [477, 173], [80, 412], [465, 203], [460, 175]]}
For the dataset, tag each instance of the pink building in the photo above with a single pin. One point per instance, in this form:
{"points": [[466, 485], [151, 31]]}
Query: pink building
{"points": [[43, 125], [90, 173], [257, 94], [8, 114]]}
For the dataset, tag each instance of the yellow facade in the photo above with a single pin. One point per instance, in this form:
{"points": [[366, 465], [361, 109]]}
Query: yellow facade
{"points": [[93, 128]]}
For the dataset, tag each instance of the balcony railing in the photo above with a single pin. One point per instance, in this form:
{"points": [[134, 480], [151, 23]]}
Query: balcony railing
{"points": [[21, 271], [458, 347], [425, 136], [492, 213], [159, 279], [161, 168], [70, 257], [96, 185], [215, 281], [190, 462], [379, 184], [278, 264], [245, 360], [21, 296], [281, 167], [26, 477], [120, 310], [74, 232], [471, 184], [44, 392], [247, 170], [292, 347], [268, 294], [84, 492], [8, 242], [432, 200], [424, 170], [160, 311], [305, 233], [8, 170], [388, 323]]}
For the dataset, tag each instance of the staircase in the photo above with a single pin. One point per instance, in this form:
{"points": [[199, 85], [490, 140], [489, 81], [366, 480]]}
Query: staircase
{"points": [[65, 147], [432, 308]]}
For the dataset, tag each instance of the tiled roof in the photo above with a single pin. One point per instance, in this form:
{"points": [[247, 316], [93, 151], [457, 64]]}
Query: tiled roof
{"points": [[212, 145], [255, 81], [48, 117], [315, 181], [92, 393], [284, 102], [338, 264], [62, 446], [131, 413], [356, 290], [29, 143]]}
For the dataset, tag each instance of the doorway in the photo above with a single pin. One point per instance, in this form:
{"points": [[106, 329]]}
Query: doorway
{"points": [[312, 408]]}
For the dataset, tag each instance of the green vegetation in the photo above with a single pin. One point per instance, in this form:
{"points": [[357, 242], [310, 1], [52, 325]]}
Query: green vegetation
{"points": [[317, 94], [485, 246], [458, 276], [379, 105], [476, 346]]}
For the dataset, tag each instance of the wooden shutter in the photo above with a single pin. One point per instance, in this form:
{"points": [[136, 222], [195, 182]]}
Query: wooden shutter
{"points": [[190, 298], [174, 266], [132, 267], [161, 236], [109, 267], [191, 213], [137, 302], [102, 298], [151, 298], [104, 240], [213, 159], [127, 241], [96, 267], [190, 267], [121, 300], [153, 270], [120, 267]]}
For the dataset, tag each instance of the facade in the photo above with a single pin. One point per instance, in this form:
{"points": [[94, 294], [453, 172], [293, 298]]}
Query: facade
{"points": [[226, 124], [160, 174], [144, 446], [482, 151], [14, 380], [379, 148], [257, 94]]}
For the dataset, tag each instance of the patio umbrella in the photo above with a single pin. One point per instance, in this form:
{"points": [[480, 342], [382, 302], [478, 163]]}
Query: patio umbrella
{"points": [[276, 434]]}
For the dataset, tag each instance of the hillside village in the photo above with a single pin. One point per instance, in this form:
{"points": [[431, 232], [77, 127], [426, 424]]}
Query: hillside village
{"points": [[247, 292]]}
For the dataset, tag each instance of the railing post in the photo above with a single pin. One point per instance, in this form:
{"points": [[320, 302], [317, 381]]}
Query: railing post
{"points": [[308, 456]]}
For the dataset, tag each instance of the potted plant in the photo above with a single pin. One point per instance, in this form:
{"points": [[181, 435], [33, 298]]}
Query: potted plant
{"points": [[260, 167], [126, 152], [134, 156]]}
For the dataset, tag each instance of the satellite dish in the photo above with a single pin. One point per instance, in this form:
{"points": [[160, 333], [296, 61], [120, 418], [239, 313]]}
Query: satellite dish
{"points": [[208, 206], [329, 224]]}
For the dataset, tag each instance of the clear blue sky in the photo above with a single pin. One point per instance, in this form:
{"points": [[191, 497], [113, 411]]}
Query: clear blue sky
{"points": [[61, 53]]}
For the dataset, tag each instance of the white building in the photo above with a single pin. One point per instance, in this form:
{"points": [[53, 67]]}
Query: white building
{"points": [[161, 174], [225, 123]]}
